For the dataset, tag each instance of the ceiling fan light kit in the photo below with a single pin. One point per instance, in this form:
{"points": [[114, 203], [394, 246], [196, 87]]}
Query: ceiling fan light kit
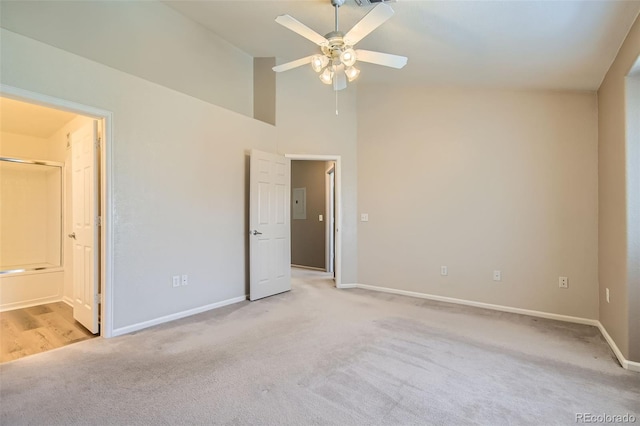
{"points": [[335, 65]]}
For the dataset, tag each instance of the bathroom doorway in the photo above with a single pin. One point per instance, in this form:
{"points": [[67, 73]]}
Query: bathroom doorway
{"points": [[48, 280]]}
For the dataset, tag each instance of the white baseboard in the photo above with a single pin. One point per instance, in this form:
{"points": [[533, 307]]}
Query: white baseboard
{"points": [[501, 308], [146, 324], [29, 303], [626, 364], [347, 286], [312, 268], [68, 301]]}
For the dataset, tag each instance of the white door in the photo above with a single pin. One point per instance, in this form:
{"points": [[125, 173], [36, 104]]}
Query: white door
{"points": [[84, 182], [269, 225]]}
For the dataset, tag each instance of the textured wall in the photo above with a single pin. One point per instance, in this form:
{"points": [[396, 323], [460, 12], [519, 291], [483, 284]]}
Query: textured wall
{"points": [[619, 268], [480, 180]]}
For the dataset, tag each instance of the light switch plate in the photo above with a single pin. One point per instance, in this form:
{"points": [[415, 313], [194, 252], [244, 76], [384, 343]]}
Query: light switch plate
{"points": [[364, 217]]}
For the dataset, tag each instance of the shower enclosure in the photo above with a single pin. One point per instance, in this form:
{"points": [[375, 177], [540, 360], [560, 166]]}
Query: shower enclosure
{"points": [[30, 215]]}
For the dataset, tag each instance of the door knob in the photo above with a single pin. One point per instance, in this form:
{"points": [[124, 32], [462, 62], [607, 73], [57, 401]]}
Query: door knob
{"points": [[254, 232], [72, 235]]}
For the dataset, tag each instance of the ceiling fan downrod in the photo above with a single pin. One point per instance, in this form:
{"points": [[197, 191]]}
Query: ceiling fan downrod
{"points": [[336, 4]]}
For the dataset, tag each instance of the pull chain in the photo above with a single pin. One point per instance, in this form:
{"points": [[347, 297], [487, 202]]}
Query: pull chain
{"points": [[336, 102]]}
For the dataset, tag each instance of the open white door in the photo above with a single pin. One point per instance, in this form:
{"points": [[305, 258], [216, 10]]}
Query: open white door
{"points": [[269, 225], [84, 181]]}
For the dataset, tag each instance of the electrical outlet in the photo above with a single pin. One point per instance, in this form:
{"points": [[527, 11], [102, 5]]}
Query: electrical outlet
{"points": [[608, 296], [364, 217], [176, 280], [497, 275], [185, 279], [444, 270], [563, 282]]}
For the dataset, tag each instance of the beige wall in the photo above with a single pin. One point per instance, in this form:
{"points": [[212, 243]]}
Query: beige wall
{"points": [[480, 180], [618, 267], [24, 146], [186, 213], [308, 235], [144, 38], [264, 90], [307, 124]]}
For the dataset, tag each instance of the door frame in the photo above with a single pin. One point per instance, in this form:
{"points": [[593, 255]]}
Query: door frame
{"points": [[338, 206], [105, 193], [330, 218]]}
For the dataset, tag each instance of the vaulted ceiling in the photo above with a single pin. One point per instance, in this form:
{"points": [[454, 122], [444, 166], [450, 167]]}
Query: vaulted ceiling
{"points": [[514, 44]]}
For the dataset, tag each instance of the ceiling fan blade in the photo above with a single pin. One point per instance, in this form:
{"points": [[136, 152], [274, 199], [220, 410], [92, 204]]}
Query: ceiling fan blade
{"points": [[300, 28], [339, 78], [379, 58], [293, 64], [370, 22]]}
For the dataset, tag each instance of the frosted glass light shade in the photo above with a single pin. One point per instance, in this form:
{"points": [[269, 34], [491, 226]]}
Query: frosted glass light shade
{"points": [[327, 76], [352, 73], [348, 57], [318, 62]]}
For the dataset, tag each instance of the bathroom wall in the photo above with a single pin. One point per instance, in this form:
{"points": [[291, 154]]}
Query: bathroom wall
{"points": [[37, 287]]}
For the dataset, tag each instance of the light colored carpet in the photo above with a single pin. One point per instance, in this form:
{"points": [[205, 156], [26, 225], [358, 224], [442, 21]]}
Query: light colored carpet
{"points": [[317, 355]]}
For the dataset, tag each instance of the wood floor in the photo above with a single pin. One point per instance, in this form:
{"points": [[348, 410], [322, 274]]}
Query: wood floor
{"points": [[38, 329]]}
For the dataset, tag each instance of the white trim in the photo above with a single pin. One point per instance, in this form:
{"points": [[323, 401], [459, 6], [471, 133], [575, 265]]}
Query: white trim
{"points": [[338, 206], [30, 303], [347, 286], [106, 230], [491, 306], [68, 300], [313, 268], [167, 318], [626, 364], [329, 189]]}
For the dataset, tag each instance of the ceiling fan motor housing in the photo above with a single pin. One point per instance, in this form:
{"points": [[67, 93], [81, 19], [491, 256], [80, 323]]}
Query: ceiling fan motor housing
{"points": [[335, 46]]}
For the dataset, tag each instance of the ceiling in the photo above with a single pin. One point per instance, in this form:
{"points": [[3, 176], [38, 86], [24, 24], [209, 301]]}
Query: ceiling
{"points": [[514, 44], [31, 120]]}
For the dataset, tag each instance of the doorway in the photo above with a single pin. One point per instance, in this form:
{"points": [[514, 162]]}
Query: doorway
{"points": [[38, 296], [317, 216]]}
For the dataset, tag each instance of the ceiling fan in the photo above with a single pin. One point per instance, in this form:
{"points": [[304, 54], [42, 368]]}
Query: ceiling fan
{"points": [[336, 62]]}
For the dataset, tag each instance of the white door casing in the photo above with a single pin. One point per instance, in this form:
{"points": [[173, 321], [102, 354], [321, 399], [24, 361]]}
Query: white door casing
{"points": [[84, 182], [269, 225]]}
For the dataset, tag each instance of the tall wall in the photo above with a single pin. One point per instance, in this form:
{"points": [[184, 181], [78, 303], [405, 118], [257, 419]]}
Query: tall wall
{"points": [[480, 180], [143, 38], [308, 124], [619, 263], [179, 173], [308, 234]]}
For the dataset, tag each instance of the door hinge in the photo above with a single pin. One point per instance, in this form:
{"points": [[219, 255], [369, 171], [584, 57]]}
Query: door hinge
{"points": [[99, 220], [98, 142], [98, 298]]}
